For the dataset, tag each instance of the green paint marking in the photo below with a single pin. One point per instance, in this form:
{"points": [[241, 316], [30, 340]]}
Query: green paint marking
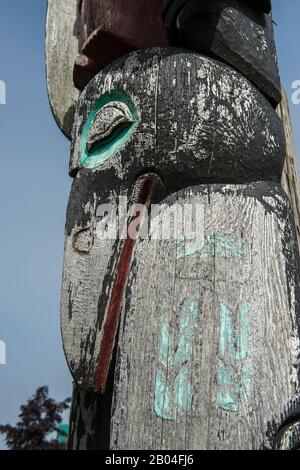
{"points": [[172, 397], [162, 398], [183, 392], [228, 402], [224, 376], [226, 245], [189, 315], [243, 339], [234, 350], [227, 398], [104, 152]]}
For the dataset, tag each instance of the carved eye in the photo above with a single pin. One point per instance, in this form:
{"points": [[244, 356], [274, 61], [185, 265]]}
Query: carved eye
{"points": [[110, 121], [107, 128]]}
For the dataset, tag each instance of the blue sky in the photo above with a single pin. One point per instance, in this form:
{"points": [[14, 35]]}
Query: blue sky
{"points": [[34, 187]]}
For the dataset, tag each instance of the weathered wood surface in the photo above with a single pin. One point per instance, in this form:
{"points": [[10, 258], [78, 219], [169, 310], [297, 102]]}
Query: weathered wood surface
{"points": [[90, 418], [208, 353], [238, 32], [208, 349], [221, 129], [290, 178], [62, 47], [104, 32], [112, 28], [138, 23]]}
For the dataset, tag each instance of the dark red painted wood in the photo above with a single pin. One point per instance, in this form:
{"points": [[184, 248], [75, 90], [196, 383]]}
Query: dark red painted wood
{"points": [[112, 28], [115, 303]]}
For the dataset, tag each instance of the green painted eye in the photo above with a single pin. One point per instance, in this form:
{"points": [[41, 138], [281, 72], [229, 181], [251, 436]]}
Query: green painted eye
{"points": [[110, 123]]}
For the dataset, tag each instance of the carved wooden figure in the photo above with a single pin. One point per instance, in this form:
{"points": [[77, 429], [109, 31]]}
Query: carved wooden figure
{"points": [[180, 324], [238, 32], [125, 127]]}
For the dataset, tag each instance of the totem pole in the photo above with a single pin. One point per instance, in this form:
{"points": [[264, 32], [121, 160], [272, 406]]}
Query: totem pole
{"points": [[190, 341]]}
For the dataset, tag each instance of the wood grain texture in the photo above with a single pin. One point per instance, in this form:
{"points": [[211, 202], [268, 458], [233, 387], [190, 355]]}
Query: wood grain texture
{"points": [[138, 23], [206, 333], [62, 47], [89, 421], [91, 267], [221, 129], [241, 347], [290, 178]]}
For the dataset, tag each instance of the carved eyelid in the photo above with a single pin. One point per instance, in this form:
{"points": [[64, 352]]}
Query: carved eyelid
{"points": [[111, 117]]}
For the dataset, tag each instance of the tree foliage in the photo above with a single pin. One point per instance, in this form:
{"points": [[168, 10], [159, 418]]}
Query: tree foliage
{"points": [[39, 418]]}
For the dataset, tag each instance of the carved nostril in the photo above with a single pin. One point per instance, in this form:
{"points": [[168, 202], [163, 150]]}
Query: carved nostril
{"points": [[158, 192], [83, 241]]}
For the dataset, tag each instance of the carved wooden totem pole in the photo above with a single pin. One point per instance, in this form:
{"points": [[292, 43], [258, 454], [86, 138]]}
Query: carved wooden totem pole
{"points": [[189, 341]]}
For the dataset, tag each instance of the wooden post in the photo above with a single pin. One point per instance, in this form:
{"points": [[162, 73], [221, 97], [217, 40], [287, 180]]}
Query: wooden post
{"points": [[90, 421], [214, 323], [180, 324], [290, 179]]}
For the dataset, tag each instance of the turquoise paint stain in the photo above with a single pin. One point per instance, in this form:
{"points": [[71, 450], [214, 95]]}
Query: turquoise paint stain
{"points": [[189, 315], [183, 391], [107, 150], [173, 390], [227, 398], [220, 245], [224, 376], [162, 397], [228, 401], [233, 350]]}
